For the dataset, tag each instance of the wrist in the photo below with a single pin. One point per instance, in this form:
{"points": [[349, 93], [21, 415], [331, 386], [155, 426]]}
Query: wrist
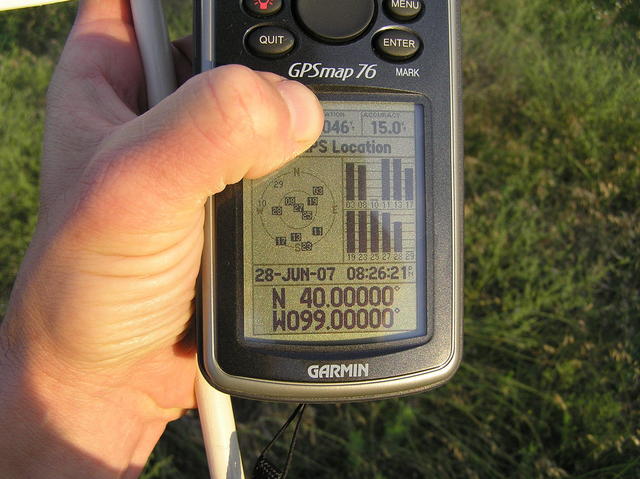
{"points": [[71, 424]]}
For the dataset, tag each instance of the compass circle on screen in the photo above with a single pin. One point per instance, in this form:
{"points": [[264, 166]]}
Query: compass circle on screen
{"points": [[297, 209]]}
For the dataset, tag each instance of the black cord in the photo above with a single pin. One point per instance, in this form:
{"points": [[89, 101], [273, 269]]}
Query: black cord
{"points": [[300, 411], [265, 469]]}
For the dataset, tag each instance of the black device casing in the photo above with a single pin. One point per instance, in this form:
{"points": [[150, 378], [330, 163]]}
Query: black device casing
{"points": [[276, 371]]}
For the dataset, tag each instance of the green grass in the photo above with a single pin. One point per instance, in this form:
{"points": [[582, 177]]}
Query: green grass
{"points": [[22, 111], [550, 383]]}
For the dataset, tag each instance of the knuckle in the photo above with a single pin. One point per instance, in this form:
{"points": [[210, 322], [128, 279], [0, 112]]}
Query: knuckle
{"points": [[250, 108]]}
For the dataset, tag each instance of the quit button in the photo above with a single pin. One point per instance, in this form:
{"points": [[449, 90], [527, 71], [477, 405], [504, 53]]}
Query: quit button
{"points": [[270, 41]]}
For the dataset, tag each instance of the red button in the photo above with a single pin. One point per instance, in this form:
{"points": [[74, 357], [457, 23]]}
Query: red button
{"points": [[262, 8]]}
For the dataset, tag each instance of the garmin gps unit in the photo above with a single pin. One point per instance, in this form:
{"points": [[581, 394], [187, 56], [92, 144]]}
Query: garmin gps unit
{"points": [[339, 276]]}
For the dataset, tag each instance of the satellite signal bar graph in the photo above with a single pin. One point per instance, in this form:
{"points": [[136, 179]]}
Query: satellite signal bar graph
{"points": [[392, 178], [379, 205]]}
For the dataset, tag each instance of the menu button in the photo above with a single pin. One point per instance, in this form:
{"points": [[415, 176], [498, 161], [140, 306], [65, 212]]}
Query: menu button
{"points": [[403, 10]]}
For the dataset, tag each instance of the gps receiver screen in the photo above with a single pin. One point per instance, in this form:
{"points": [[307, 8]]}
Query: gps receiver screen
{"points": [[334, 242]]}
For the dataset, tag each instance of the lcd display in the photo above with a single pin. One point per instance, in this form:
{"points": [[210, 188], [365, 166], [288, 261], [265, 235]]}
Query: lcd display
{"points": [[334, 242]]}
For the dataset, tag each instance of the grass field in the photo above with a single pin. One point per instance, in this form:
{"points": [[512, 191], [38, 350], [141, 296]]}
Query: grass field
{"points": [[550, 383]]}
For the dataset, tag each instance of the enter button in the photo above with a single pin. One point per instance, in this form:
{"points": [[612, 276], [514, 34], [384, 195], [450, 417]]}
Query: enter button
{"points": [[396, 44]]}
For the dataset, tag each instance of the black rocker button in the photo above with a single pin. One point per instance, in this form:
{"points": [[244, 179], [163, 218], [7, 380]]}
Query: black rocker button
{"points": [[269, 41], [335, 21], [262, 8], [403, 10], [396, 44]]}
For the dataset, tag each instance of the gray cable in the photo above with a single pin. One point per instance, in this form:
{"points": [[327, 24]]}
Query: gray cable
{"points": [[216, 412], [155, 49]]}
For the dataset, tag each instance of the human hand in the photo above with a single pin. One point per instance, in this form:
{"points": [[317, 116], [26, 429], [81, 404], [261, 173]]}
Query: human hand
{"points": [[96, 356]]}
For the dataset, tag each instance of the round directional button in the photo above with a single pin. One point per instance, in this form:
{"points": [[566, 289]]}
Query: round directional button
{"points": [[335, 21], [270, 41]]}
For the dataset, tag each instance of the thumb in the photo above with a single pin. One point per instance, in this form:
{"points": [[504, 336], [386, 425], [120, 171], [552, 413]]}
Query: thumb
{"points": [[219, 127]]}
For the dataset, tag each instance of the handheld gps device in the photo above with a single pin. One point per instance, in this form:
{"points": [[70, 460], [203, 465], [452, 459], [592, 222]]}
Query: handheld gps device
{"points": [[339, 276]]}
